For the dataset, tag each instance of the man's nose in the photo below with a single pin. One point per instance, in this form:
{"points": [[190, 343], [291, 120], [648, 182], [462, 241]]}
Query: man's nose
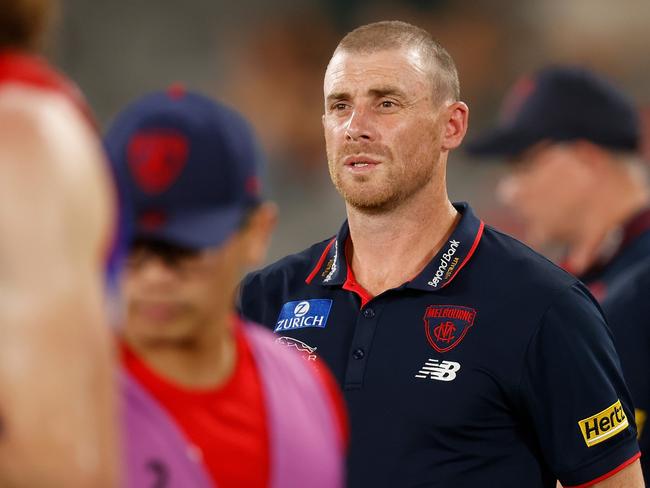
{"points": [[360, 126], [156, 270]]}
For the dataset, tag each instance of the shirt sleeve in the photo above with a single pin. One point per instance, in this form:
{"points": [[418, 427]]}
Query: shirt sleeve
{"points": [[627, 309], [573, 391]]}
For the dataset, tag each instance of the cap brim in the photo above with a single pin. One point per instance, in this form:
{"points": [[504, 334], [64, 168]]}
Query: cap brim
{"points": [[198, 230], [500, 142]]}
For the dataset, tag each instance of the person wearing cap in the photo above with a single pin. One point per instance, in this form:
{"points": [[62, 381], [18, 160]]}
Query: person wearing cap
{"points": [[577, 179], [209, 399], [57, 212], [466, 358]]}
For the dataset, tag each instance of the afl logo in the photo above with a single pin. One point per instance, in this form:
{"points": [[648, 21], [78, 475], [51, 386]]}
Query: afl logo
{"points": [[301, 309]]}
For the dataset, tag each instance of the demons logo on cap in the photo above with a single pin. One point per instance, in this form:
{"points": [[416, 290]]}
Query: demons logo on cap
{"points": [[156, 159], [519, 93], [446, 325]]}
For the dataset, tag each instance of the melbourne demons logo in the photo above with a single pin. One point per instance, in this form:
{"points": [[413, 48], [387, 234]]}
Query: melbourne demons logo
{"points": [[156, 159], [446, 325]]}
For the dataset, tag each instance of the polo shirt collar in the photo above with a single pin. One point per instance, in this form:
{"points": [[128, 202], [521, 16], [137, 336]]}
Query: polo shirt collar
{"points": [[634, 227], [331, 268], [454, 254]]}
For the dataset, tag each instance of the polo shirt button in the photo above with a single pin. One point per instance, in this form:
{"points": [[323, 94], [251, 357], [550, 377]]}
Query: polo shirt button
{"points": [[368, 313], [358, 354]]}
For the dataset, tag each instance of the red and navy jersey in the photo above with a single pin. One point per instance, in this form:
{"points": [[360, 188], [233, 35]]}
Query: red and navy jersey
{"points": [[627, 309], [490, 366], [633, 246]]}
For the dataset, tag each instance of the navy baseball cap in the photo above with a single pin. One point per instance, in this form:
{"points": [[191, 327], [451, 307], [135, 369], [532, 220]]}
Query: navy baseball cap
{"points": [[188, 168], [561, 104]]}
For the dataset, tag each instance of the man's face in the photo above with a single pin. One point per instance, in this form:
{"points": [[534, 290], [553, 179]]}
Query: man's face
{"points": [[546, 188], [173, 296], [382, 126]]}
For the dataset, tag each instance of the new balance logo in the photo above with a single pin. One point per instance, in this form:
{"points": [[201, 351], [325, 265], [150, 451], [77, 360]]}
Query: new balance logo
{"points": [[439, 370]]}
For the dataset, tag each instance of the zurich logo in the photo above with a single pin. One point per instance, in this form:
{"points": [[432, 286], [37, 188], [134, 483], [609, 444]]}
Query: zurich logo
{"points": [[302, 314], [301, 309]]}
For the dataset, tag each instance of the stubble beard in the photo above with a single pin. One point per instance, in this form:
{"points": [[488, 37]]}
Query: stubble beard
{"points": [[377, 194]]}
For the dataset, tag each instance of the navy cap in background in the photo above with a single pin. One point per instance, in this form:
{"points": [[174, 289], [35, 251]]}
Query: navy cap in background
{"points": [[561, 104], [187, 167]]}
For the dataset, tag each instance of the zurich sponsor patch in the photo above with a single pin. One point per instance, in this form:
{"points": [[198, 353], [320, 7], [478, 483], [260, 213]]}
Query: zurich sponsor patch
{"points": [[303, 313]]}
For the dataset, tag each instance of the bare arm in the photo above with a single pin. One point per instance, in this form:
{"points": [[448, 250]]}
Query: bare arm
{"points": [[629, 477], [56, 377]]}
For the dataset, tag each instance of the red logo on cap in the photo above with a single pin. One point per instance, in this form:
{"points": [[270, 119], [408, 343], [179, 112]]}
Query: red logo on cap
{"points": [[519, 93], [253, 186], [156, 159]]}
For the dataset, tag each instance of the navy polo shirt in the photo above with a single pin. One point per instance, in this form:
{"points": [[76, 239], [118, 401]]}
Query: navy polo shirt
{"points": [[632, 248], [627, 309], [490, 366]]}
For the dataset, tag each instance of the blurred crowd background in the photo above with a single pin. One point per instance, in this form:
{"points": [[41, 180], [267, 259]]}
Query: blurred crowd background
{"points": [[267, 59]]}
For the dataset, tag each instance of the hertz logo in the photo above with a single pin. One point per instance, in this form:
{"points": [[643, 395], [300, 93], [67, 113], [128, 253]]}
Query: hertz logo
{"points": [[603, 425]]}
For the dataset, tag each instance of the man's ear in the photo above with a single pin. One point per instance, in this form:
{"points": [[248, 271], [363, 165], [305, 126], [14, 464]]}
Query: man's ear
{"points": [[257, 233], [457, 118]]}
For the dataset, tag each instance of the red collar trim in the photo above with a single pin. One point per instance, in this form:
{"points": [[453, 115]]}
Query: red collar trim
{"points": [[351, 283], [320, 262], [636, 226]]}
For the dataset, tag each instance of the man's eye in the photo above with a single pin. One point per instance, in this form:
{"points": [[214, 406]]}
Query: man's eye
{"points": [[339, 106], [387, 104]]}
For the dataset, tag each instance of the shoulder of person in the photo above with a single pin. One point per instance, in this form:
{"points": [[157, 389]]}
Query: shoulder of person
{"points": [[520, 265], [296, 266], [630, 287]]}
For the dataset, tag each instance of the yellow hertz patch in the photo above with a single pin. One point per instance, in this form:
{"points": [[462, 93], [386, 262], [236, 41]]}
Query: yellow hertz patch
{"points": [[603, 425]]}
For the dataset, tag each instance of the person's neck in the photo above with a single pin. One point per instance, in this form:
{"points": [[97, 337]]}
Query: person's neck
{"points": [[610, 209], [390, 248], [205, 362]]}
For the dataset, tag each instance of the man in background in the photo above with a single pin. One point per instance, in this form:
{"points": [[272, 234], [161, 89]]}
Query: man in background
{"points": [[576, 177], [210, 399], [57, 411]]}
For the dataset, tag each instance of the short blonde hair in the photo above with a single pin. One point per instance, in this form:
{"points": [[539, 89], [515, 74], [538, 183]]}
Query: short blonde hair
{"points": [[395, 34]]}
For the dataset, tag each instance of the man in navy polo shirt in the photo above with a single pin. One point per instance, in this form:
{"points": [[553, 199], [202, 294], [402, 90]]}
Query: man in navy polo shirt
{"points": [[576, 179], [466, 358]]}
